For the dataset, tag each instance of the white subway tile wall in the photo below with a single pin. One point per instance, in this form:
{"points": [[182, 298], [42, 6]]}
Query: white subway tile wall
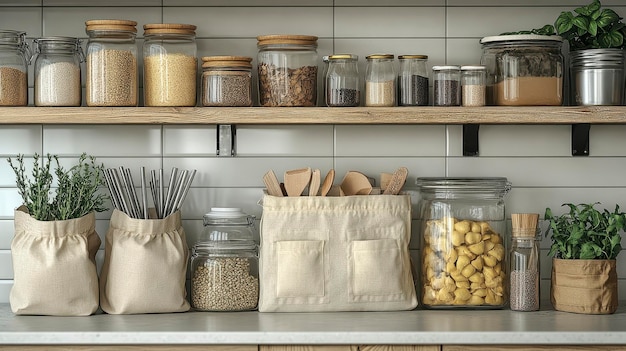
{"points": [[536, 159]]}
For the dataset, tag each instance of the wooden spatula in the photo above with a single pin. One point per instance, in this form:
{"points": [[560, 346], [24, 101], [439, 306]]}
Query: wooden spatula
{"points": [[327, 183], [397, 181], [356, 183], [272, 184], [314, 186], [297, 180]]}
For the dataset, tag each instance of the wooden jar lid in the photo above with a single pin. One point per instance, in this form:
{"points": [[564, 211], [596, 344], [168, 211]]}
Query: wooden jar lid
{"points": [[287, 39], [169, 28], [111, 25], [226, 61]]}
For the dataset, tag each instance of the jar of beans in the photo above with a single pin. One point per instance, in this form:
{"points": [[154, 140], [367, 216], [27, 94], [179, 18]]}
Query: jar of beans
{"points": [[287, 69], [111, 63], [380, 80], [473, 85], [413, 80], [447, 85], [14, 59], [226, 81], [57, 71], [342, 81], [170, 65]]}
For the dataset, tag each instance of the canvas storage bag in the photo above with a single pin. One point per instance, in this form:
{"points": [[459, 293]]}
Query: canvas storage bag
{"points": [[54, 268], [345, 253], [584, 286], [145, 265]]}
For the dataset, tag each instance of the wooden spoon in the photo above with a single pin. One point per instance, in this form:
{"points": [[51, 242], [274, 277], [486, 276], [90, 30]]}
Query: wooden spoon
{"points": [[327, 183], [297, 180], [272, 184], [397, 181], [356, 183], [315, 182]]}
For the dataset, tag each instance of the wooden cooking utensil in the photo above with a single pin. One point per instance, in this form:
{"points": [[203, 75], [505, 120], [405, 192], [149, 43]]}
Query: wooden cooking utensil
{"points": [[297, 180], [327, 183], [314, 186], [397, 181], [356, 183], [385, 178], [272, 184]]}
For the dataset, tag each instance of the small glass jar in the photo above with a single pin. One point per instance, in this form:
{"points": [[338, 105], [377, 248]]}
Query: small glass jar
{"points": [[225, 223], [447, 85], [473, 87], [57, 71], [226, 81], [342, 81], [523, 70], [380, 80], [287, 69], [111, 63], [463, 244], [413, 80], [15, 57], [524, 262], [170, 65]]}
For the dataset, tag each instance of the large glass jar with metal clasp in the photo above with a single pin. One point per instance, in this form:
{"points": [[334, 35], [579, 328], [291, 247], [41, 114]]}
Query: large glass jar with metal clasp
{"points": [[14, 60], [57, 71]]}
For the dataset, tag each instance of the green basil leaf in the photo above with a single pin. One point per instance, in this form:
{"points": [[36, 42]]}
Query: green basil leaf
{"points": [[593, 28], [607, 17], [596, 14]]}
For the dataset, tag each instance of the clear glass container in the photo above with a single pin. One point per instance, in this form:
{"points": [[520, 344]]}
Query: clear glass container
{"points": [[464, 249], [226, 81], [523, 70], [225, 223], [342, 81], [111, 63], [287, 69], [380, 80], [524, 265], [447, 85], [15, 57], [57, 71], [473, 86], [413, 80], [170, 65]]}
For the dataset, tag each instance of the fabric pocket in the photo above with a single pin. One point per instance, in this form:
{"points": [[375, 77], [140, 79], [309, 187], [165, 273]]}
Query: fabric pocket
{"points": [[375, 268], [300, 268]]}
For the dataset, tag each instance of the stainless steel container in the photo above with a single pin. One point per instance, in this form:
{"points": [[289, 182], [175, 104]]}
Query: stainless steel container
{"points": [[597, 76]]}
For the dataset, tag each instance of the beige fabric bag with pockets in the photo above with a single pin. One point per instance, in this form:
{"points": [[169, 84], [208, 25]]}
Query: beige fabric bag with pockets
{"points": [[145, 265], [54, 267], [336, 254]]}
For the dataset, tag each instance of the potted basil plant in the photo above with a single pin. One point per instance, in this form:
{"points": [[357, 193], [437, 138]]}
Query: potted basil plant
{"points": [[585, 245]]}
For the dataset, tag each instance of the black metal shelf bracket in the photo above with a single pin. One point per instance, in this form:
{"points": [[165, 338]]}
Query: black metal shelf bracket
{"points": [[226, 140], [580, 139], [470, 139]]}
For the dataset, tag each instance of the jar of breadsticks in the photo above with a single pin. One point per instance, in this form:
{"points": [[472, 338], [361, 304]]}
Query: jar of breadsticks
{"points": [[464, 249]]}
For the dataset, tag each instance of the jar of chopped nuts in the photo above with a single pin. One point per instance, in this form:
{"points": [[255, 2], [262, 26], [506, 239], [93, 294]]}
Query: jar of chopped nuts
{"points": [[226, 81]]}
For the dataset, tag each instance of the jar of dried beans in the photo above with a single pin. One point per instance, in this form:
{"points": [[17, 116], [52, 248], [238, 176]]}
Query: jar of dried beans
{"points": [[287, 69], [413, 80], [111, 63], [57, 71], [342, 81], [14, 59], [170, 65], [226, 81], [380, 80], [447, 85]]}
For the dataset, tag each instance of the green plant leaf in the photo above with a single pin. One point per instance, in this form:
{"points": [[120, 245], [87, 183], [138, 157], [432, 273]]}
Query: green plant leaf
{"points": [[563, 23], [593, 28], [615, 38], [596, 14], [607, 17]]}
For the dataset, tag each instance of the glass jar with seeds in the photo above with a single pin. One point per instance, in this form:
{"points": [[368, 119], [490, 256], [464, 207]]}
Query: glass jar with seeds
{"points": [[14, 60], [447, 85], [473, 85], [342, 81], [57, 71], [524, 261], [226, 223], [287, 69], [380, 80], [111, 63], [413, 80], [226, 81], [170, 65]]}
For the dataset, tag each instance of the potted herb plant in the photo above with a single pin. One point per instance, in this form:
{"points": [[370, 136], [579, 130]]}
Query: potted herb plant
{"points": [[585, 244]]}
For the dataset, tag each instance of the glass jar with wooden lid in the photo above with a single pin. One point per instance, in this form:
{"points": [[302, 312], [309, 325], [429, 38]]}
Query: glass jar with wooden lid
{"points": [[170, 65], [111, 63], [287, 68], [226, 81]]}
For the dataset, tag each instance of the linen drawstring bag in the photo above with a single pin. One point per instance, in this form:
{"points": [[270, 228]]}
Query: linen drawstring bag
{"points": [[54, 266], [145, 265]]}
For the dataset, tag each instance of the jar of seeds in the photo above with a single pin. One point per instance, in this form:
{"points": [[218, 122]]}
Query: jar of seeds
{"points": [[111, 63], [226, 223], [14, 59], [380, 80], [226, 81], [342, 81], [57, 71], [473, 85], [447, 85], [287, 69], [413, 80], [170, 65]]}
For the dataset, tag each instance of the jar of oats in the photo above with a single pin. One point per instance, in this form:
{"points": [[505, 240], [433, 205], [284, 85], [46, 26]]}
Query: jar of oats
{"points": [[287, 68], [226, 81], [111, 63], [14, 60], [170, 65]]}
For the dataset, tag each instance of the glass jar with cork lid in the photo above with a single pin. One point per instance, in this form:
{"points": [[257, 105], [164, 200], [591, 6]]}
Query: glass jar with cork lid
{"points": [[226, 81], [380, 80], [111, 63], [14, 60], [287, 69], [170, 65], [57, 71]]}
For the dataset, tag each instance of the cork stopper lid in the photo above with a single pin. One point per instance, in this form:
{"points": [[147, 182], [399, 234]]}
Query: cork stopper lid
{"points": [[111, 25], [294, 39], [226, 61], [524, 225], [169, 28]]}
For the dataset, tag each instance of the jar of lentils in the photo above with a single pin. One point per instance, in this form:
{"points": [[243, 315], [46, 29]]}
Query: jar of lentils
{"points": [[226, 81], [342, 81], [287, 69], [111, 63], [14, 59], [57, 71], [380, 80], [170, 65], [413, 80]]}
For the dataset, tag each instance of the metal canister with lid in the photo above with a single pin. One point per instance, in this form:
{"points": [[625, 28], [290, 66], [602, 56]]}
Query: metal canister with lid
{"points": [[226, 81], [342, 81], [413, 80], [14, 60], [57, 71]]}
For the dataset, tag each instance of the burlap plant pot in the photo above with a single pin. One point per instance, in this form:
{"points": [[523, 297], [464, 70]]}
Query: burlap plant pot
{"points": [[584, 286]]}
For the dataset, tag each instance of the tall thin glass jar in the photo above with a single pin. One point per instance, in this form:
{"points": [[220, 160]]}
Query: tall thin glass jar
{"points": [[57, 71], [170, 65], [111, 63], [413, 80], [524, 261], [380, 80], [342, 81], [14, 60]]}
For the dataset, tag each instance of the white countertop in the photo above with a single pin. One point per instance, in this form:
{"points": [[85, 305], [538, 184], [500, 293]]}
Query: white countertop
{"points": [[410, 327]]}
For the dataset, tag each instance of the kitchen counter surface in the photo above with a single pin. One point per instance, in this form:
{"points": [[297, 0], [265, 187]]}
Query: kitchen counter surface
{"points": [[410, 327]]}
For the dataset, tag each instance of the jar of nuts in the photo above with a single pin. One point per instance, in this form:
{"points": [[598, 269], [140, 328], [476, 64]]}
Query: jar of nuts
{"points": [[463, 244], [287, 69]]}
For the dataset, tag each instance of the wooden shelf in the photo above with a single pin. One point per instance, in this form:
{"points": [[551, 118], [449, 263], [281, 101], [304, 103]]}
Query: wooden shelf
{"points": [[314, 115]]}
